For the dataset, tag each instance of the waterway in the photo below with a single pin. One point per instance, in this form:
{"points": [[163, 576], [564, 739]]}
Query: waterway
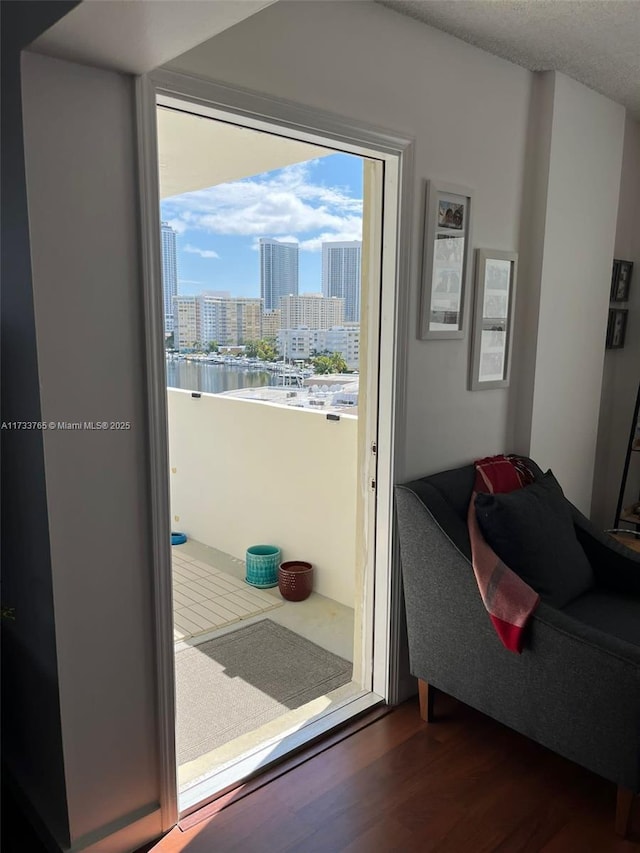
{"points": [[215, 378]]}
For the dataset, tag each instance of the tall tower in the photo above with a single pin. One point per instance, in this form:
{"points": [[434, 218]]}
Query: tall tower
{"points": [[278, 271], [169, 274], [341, 275]]}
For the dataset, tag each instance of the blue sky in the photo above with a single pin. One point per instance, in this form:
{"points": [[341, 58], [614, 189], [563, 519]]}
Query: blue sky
{"points": [[218, 228]]}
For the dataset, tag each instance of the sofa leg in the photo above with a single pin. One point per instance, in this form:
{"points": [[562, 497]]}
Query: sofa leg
{"points": [[426, 692], [624, 806]]}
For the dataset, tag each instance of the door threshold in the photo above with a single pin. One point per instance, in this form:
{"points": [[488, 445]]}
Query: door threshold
{"points": [[257, 760]]}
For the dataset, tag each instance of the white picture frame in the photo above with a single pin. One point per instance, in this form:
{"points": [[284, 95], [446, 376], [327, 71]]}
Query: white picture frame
{"points": [[496, 275], [445, 267]]}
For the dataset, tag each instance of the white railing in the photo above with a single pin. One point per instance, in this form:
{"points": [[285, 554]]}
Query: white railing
{"points": [[245, 472]]}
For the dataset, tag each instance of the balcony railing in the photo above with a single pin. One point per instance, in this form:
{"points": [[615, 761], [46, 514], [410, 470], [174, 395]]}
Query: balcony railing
{"points": [[246, 472]]}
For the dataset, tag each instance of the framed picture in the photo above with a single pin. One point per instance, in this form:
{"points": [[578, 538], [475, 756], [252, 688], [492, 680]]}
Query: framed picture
{"points": [[447, 230], [616, 327], [496, 274], [621, 280]]}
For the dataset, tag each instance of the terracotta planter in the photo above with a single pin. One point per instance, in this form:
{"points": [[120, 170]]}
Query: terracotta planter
{"points": [[295, 580]]}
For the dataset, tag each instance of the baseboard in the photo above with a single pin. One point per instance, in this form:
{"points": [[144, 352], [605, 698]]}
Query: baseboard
{"points": [[127, 833], [130, 837]]}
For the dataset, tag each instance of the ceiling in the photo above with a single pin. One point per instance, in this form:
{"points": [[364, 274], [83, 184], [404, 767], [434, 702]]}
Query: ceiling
{"points": [[136, 36], [190, 149], [596, 42]]}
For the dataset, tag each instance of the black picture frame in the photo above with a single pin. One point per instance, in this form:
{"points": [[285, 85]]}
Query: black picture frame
{"points": [[621, 280], [617, 328], [615, 269]]}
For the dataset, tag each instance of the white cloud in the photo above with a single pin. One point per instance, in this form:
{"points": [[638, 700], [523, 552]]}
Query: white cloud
{"points": [[281, 204], [204, 253], [178, 225], [315, 243]]}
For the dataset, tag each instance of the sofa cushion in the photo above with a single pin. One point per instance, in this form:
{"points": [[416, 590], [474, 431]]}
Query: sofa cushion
{"points": [[454, 527], [611, 612], [456, 487], [531, 530]]}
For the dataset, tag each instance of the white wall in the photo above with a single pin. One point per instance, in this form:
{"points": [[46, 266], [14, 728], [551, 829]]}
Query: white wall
{"points": [[621, 367], [81, 189], [532, 230], [249, 473], [585, 157], [473, 125], [468, 113]]}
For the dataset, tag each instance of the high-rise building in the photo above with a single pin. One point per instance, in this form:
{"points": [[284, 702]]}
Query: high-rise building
{"points": [[211, 320], [169, 273], [243, 320], [312, 310], [271, 323], [278, 271], [230, 321], [341, 275], [186, 322]]}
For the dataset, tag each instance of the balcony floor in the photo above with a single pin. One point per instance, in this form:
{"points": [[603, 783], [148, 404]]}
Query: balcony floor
{"points": [[206, 599], [319, 619], [228, 603]]}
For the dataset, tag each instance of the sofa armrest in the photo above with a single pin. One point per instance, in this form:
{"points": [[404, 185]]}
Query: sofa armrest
{"points": [[584, 638], [574, 688], [615, 566], [588, 683]]}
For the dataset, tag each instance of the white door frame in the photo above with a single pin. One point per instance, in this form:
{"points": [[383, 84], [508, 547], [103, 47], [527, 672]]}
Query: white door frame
{"points": [[265, 113]]}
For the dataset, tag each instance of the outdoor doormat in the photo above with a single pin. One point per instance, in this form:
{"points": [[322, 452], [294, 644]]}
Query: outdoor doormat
{"points": [[236, 683]]}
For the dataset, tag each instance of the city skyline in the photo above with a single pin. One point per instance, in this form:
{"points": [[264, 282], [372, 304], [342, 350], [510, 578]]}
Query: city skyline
{"points": [[199, 320], [218, 229], [340, 274]]}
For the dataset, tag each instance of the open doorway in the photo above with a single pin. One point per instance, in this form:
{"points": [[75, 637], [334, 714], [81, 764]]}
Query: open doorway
{"points": [[262, 284], [275, 430]]}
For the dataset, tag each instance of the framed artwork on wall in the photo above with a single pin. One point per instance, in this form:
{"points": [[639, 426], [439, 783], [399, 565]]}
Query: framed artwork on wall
{"points": [[616, 328], [621, 280], [496, 275], [444, 292]]}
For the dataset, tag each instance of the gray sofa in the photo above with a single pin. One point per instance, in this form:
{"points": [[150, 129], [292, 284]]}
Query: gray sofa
{"points": [[576, 686]]}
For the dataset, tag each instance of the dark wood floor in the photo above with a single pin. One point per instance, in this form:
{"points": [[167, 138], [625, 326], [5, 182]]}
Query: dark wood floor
{"points": [[463, 784]]}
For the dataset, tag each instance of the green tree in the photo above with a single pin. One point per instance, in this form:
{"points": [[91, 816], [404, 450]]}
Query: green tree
{"points": [[264, 349], [322, 364], [212, 346], [267, 350], [333, 363], [169, 341], [251, 349], [338, 364]]}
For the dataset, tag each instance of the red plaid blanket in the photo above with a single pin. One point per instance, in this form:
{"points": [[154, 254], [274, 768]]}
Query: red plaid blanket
{"points": [[508, 599]]}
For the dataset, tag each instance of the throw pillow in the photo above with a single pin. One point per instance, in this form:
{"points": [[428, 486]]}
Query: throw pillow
{"points": [[531, 530]]}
